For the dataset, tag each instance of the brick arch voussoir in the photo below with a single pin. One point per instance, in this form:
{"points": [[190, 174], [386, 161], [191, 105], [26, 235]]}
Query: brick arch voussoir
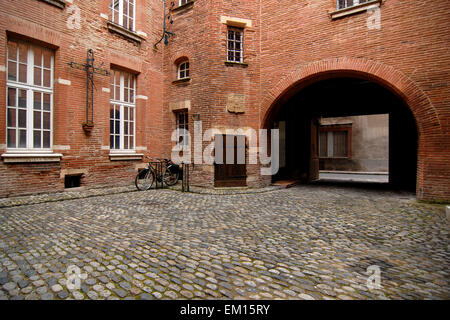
{"points": [[420, 105]]}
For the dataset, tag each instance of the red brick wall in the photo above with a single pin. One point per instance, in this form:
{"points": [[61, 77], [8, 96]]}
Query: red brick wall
{"points": [[293, 43], [202, 38], [43, 22], [290, 44], [407, 55]]}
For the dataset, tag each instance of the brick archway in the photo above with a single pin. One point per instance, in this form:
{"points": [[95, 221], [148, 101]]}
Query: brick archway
{"points": [[425, 114], [430, 185]]}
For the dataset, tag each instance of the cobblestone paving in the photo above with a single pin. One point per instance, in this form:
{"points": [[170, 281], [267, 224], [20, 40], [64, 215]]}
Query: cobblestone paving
{"points": [[306, 242]]}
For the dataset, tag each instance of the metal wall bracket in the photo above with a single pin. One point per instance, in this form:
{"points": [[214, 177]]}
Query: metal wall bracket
{"points": [[166, 34], [90, 70]]}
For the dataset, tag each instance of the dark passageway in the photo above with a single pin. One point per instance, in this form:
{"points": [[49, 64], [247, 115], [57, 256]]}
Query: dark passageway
{"points": [[297, 117]]}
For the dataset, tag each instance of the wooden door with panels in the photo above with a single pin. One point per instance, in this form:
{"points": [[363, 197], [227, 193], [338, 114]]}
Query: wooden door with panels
{"points": [[230, 165]]}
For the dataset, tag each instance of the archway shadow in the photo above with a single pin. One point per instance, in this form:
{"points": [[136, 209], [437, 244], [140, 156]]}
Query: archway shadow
{"points": [[345, 97]]}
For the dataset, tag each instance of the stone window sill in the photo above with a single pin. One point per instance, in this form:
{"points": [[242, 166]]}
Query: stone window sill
{"points": [[237, 64], [355, 9], [133, 36], [57, 3], [31, 157], [125, 156], [182, 81], [183, 7]]}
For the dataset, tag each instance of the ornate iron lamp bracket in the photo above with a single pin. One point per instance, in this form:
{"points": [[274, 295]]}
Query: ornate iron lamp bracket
{"points": [[166, 34]]}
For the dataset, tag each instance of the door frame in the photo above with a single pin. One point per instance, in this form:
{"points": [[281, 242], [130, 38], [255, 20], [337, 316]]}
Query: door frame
{"points": [[230, 181]]}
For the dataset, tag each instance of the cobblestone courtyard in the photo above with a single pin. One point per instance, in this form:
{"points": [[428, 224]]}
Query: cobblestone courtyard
{"points": [[306, 242]]}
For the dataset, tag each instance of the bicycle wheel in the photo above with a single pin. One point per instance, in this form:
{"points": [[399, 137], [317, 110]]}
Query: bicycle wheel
{"points": [[144, 180], [170, 177]]}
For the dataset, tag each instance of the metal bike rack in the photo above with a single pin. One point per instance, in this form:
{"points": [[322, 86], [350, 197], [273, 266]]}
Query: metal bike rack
{"points": [[158, 166], [185, 181]]}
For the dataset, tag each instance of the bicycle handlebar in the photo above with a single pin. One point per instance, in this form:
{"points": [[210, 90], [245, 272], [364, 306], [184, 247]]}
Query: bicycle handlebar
{"points": [[158, 159]]}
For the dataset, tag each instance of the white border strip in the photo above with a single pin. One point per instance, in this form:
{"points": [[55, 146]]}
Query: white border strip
{"points": [[64, 81]]}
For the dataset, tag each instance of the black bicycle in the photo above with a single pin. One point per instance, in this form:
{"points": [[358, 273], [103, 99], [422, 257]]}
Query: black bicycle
{"points": [[168, 173]]}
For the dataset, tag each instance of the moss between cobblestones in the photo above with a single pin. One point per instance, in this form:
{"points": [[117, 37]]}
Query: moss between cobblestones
{"points": [[227, 191], [63, 196], [97, 192], [317, 218], [440, 203]]}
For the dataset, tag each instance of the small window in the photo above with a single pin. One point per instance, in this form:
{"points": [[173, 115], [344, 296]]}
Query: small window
{"points": [[183, 70], [183, 127], [334, 143], [342, 4], [235, 46], [123, 13], [183, 2], [72, 181]]}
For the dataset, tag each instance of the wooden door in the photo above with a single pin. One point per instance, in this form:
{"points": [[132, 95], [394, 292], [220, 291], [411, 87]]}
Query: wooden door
{"points": [[230, 168], [314, 153]]}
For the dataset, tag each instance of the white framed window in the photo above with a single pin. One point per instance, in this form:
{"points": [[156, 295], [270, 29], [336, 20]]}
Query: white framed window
{"points": [[235, 46], [29, 97], [183, 70], [182, 127], [342, 4], [123, 13], [182, 2], [122, 111]]}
